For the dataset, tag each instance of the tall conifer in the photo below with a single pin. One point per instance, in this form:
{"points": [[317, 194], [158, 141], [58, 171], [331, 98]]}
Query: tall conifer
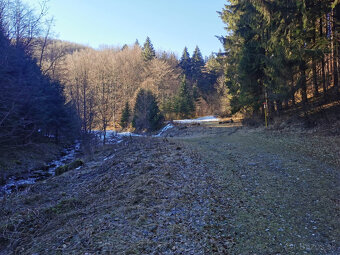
{"points": [[185, 62], [148, 50]]}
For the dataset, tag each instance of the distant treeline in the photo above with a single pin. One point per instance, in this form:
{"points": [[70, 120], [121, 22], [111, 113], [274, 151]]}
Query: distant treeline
{"points": [[283, 52], [101, 82]]}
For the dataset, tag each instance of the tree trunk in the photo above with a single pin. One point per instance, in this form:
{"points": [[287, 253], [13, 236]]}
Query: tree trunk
{"points": [[286, 103], [323, 64], [315, 76], [104, 139], [292, 92], [328, 71], [271, 108], [84, 110], [303, 83], [335, 49], [278, 107]]}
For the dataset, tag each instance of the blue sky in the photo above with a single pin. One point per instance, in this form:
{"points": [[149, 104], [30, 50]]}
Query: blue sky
{"points": [[171, 24]]}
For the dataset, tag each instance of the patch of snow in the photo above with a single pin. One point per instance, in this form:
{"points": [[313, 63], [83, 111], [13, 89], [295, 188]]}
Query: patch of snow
{"points": [[198, 120], [208, 118], [113, 137], [110, 157], [127, 134], [167, 127]]}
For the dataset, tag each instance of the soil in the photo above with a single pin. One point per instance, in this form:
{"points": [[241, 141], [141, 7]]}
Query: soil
{"points": [[207, 189]]}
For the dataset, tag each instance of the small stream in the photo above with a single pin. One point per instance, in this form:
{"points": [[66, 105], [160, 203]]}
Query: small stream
{"points": [[19, 183]]}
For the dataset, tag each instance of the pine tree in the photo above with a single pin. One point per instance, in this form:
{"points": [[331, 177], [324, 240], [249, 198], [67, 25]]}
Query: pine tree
{"points": [[148, 51], [124, 121]]}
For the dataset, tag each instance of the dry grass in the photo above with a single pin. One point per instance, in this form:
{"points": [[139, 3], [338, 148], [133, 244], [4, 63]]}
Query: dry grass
{"points": [[21, 160], [211, 189]]}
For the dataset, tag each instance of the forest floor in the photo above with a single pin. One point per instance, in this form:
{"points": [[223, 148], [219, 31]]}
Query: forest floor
{"points": [[208, 189]]}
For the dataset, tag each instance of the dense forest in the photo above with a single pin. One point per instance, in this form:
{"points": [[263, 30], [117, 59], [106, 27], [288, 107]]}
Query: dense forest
{"points": [[32, 105], [284, 54]]}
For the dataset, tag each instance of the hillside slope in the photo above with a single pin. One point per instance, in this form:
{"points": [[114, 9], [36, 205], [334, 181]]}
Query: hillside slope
{"points": [[206, 190]]}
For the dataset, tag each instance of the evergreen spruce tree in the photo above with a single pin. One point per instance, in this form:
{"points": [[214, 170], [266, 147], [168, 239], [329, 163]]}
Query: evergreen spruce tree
{"points": [[146, 112], [31, 104], [125, 46], [148, 51], [197, 62], [195, 93], [185, 62], [124, 121], [184, 102], [155, 118], [276, 49], [245, 72]]}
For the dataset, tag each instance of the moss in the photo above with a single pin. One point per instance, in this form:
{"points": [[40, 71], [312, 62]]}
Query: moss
{"points": [[29, 200], [18, 162], [61, 169], [73, 165], [64, 206]]}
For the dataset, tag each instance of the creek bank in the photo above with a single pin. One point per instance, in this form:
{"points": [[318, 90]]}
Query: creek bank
{"points": [[68, 161], [19, 182]]}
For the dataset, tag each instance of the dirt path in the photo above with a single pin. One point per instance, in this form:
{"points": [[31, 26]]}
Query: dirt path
{"points": [[205, 190], [282, 189]]}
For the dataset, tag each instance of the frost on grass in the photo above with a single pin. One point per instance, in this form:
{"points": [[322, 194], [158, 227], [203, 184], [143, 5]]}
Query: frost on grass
{"points": [[215, 192]]}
